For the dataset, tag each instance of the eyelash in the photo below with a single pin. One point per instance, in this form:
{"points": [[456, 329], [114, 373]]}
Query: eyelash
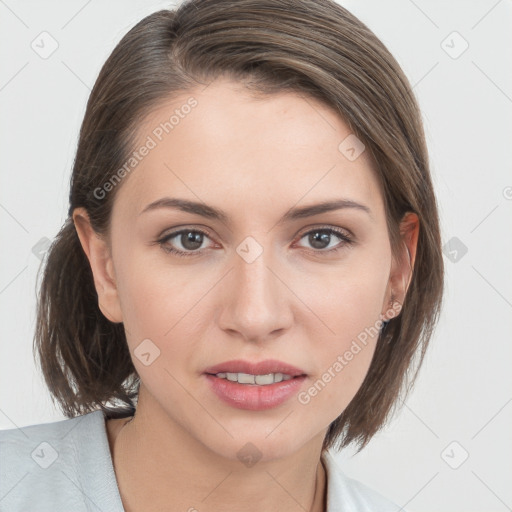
{"points": [[332, 231]]}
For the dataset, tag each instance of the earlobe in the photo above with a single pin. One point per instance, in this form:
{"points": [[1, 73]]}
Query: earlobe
{"points": [[100, 260]]}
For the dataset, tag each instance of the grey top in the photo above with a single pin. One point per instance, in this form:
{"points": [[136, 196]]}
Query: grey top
{"points": [[66, 466]]}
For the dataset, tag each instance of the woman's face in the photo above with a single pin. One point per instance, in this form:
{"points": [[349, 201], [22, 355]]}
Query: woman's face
{"points": [[267, 281]]}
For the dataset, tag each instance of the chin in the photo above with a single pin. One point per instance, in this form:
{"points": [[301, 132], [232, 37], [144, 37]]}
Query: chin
{"points": [[250, 444]]}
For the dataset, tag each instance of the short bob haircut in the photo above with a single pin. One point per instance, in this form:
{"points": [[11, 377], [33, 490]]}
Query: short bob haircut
{"points": [[313, 47]]}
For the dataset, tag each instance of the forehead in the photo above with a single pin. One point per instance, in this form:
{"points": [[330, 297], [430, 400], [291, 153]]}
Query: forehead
{"points": [[223, 146]]}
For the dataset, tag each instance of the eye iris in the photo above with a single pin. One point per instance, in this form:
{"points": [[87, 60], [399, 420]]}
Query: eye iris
{"points": [[191, 240], [320, 237]]}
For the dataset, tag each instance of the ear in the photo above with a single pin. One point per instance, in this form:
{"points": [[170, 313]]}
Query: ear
{"points": [[100, 259], [401, 270]]}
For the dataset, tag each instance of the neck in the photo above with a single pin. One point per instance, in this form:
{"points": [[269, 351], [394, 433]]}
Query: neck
{"points": [[158, 463]]}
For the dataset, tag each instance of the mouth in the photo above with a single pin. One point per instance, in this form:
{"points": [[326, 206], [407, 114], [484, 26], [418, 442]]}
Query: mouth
{"points": [[259, 380], [262, 373], [255, 386]]}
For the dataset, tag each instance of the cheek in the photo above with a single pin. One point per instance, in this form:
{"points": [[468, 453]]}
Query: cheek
{"points": [[349, 304], [346, 298], [157, 299], [342, 359], [163, 318]]}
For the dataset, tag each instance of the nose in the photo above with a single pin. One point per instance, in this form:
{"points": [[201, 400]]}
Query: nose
{"points": [[256, 299]]}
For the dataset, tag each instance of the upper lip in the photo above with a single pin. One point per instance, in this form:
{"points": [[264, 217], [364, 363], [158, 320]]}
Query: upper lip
{"points": [[259, 368]]}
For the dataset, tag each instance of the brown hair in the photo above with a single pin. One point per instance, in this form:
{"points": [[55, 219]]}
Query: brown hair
{"points": [[314, 47]]}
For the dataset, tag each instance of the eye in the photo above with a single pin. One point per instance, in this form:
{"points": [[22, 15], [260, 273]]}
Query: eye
{"points": [[188, 241], [321, 239]]}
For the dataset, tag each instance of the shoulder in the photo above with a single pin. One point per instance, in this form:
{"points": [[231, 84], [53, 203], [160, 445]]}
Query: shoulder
{"points": [[57, 465], [350, 495], [42, 445]]}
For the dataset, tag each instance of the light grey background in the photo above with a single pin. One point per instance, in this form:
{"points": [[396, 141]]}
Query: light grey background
{"points": [[461, 403]]}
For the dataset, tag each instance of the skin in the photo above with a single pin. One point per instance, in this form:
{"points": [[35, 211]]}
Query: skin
{"points": [[255, 159]]}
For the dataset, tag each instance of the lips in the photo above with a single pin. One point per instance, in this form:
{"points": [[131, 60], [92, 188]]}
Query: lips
{"points": [[260, 368]]}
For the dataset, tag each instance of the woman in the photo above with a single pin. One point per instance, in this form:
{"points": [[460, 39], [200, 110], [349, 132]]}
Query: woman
{"points": [[250, 264]]}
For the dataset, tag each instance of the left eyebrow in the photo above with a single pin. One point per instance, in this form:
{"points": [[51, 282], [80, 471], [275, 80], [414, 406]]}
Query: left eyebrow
{"points": [[210, 212], [326, 206]]}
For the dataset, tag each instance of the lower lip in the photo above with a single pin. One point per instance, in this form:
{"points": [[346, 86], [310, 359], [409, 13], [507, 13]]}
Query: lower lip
{"points": [[252, 396]]}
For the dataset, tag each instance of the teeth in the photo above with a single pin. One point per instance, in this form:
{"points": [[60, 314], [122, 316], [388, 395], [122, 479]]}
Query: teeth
{"points": [[247, 378]]}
